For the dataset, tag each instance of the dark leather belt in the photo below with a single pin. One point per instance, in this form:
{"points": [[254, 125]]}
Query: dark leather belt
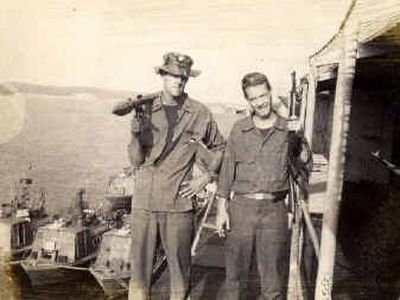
{"points": [[265, 196]]}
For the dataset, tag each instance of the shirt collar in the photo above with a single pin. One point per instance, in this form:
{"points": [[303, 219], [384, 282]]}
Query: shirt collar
{"points": [[248, 124], [187, 106]]}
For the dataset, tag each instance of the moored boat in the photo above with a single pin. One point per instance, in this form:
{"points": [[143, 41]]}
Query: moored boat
{"points": [[22, 215], [112, 268], [119, 192], [64, 245]]}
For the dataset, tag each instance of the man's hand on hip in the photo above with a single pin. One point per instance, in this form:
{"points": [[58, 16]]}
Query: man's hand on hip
{"points": [[190, 188]]}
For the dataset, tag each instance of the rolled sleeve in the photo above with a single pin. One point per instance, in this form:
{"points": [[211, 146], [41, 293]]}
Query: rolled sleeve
{"points": [[122, 108], [213, 138], [215, 142]]}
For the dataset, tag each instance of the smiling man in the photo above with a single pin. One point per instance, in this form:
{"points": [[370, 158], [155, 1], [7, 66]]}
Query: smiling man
{"points": [[166, 131], [255, 170]]}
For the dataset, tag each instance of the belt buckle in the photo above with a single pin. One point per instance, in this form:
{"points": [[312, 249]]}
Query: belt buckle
{"points": [[260, 196]]}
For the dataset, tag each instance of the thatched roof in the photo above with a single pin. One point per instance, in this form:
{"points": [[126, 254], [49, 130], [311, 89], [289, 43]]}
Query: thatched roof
{"points": [[378, 24]]}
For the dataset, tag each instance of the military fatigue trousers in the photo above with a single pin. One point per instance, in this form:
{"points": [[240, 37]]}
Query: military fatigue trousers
{"points": [[261, 225], [175, 230]]}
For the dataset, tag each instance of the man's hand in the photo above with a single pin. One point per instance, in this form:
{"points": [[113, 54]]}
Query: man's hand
{"points": [[222, 221], [293, 124], [190, 188]]}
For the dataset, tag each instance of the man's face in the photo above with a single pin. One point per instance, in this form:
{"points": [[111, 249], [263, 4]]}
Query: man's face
{"points": [[260, 100], [174, 85]]}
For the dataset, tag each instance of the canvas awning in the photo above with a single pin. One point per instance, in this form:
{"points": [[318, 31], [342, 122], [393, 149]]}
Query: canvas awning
{"points": [[378, 25]]}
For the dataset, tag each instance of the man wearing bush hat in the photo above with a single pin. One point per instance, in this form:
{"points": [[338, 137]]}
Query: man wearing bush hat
{"points": [[163, 150]]}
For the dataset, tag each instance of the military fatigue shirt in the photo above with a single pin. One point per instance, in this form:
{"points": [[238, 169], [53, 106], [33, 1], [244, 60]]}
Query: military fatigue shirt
{"points": [[258, 163], [167, 165]]}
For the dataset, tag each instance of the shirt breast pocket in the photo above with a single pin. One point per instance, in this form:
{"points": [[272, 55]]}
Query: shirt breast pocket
{"points": [[245, 166]]}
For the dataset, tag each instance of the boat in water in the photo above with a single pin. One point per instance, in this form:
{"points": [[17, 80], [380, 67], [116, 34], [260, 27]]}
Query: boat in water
{"points": [[119, 193], [112, 268], [22, 216], [65, 245]]}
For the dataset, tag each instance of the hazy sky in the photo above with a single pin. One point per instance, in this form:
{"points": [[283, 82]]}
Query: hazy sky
{"points": [[116, 43]]}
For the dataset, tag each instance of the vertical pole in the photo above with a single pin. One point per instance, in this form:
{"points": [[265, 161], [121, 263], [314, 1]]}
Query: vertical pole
{"points": [[295, 285], [305, 90], [293, 91], [311, 98], [344, 87]]}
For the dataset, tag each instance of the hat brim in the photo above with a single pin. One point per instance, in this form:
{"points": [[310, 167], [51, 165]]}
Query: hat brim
{"points": [[193, 72]]}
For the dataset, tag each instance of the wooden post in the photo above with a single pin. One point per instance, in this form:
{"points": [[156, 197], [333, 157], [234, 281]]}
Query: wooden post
{"points": [[293, 96], [295, 285], [310, 109], [344, 87], [310, 227], [304, 95]]}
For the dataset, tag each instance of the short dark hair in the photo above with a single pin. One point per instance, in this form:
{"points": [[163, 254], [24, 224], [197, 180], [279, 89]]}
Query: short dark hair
{"points": [[253, 79]]}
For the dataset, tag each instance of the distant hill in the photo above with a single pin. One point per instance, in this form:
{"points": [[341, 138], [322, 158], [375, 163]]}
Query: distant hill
{"points": [[12, 87], [7, 88]]}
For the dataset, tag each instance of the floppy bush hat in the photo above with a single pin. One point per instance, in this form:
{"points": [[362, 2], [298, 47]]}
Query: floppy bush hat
{"points": [[177, 64]]}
